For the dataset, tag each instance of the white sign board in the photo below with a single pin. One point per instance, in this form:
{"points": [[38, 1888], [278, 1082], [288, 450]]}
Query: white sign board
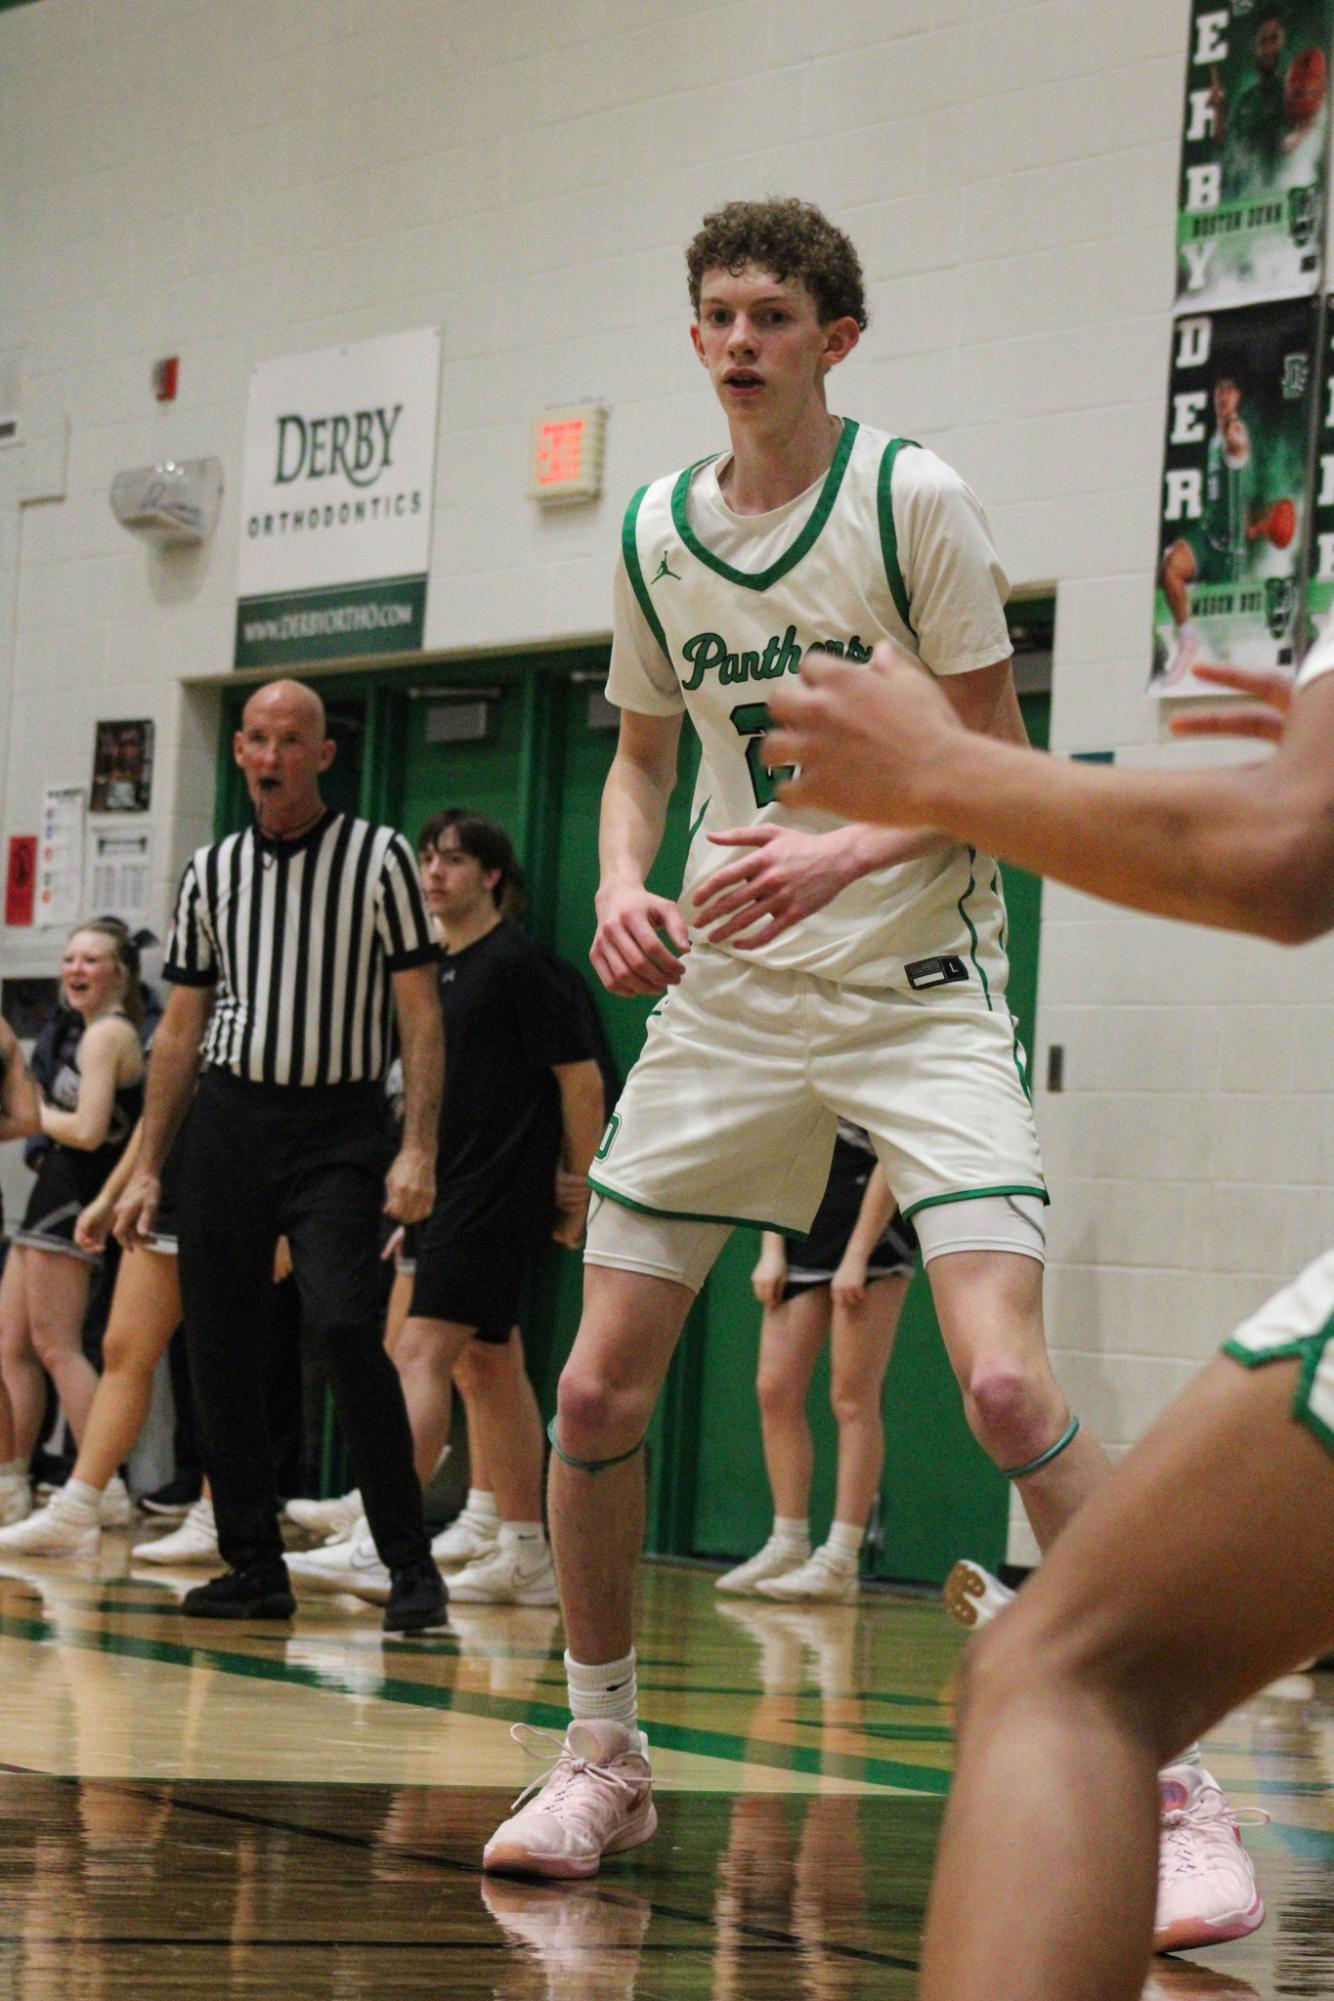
{"points": [[336, 493], [60, 856]]}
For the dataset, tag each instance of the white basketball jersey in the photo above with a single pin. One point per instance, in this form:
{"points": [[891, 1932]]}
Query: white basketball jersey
{"points": [[892, 543]]}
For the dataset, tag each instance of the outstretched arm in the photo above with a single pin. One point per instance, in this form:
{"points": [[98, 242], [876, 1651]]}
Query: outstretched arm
{"points": [[1250, 848]]}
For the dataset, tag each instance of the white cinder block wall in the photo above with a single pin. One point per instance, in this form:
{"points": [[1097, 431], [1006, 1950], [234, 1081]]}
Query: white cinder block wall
{"points": [[233, 179]]}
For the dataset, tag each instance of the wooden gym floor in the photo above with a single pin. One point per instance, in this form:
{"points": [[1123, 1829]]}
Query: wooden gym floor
{"points": [[195, 1810]]}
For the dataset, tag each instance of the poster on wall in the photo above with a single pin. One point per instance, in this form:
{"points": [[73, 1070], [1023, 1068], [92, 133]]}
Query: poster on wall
{"points": [[1320, 531], [21, 880], [120, 874], [336, 495], [122, 768], [1254, 152], [60, 855], [1240, 408]]}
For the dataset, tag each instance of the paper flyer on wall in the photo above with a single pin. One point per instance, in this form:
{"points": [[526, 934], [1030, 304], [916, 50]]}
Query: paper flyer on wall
{"points": [[60, 855], [1240, 408], [120, 875], [1254, 152]]}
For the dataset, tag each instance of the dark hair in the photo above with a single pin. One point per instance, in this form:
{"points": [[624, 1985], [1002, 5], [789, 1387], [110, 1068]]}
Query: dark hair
{"points": [[481, 838], [791, 239]]}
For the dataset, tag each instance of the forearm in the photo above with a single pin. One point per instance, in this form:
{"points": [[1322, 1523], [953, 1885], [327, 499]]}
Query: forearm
{"points": [[1214, 847], [173, 1070], [422, 1041], [115, 1184], [582, 1116], [876, 1209], [634, 813], [72, 1128]]}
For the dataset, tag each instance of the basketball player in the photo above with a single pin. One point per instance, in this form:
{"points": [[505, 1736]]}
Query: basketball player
{"points": [[1162, 1606], [826, 969]]}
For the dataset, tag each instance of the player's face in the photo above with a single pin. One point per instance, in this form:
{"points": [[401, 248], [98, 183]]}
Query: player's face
{"points": [[282, 752], [1227, 401], [90, 973], [763, 344], [1268, 46], [454, 883]]}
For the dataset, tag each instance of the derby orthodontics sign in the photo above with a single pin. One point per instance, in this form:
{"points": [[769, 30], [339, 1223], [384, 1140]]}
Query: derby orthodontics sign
{"points": [[336, 499]]}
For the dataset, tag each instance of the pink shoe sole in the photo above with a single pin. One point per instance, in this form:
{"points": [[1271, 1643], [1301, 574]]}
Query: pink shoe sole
{"points": [[1187, 1934]]}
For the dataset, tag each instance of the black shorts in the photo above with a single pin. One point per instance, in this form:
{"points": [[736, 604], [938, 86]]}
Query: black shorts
{"points": [[60, 1191], [813, 1259], [475, 1278]]}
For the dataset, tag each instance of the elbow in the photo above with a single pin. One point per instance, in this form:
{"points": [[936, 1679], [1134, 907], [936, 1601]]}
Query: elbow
{"points": [[1292, 902]]}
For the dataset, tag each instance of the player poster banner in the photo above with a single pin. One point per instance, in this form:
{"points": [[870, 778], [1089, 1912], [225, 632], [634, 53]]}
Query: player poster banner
{"points": [[336, 501], [1251, 207], [1240, 411], [1320, 534]]}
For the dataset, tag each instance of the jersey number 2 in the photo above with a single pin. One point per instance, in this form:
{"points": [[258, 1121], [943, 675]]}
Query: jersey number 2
{"points": [[753, 721]]}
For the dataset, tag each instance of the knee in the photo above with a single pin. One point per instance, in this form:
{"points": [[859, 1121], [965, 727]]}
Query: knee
{"points": [[852, 1398], [52, 1344], [596, 1416], [119, 1357], [780, 1394], [1014, 1413], [479, 1366]]}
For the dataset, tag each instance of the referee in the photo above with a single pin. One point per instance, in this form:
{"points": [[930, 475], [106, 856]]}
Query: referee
{"points": [[294, 946]]}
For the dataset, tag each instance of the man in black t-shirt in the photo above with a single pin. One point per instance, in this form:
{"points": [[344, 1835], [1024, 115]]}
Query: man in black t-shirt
{"points": [[522, 1114]]}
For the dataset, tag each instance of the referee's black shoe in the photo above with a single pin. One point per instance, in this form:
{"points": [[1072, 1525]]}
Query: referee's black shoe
{"points": [[261, 1591], [418, 1601]]}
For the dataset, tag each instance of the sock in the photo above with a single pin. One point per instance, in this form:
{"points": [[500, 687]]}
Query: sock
{"points": [[1189, 633], [13, 1469], [792, 1528], [607, 1691], [1190, 1756], [845, 1542], [480, 1507], [530, 1534], [80, 1500]]}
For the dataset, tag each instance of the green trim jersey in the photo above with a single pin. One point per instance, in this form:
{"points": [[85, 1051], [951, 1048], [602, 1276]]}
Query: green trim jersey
{"points": [[713, 607], [1229, 492]]}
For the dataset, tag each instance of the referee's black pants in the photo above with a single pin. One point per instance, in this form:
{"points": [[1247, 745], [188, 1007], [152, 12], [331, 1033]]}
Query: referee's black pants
{"points": [[264, 1161]]}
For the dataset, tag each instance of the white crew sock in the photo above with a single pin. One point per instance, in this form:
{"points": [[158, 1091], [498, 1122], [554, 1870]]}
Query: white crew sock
{"points": [[606, 1691], [793, 1529], [13, 1469], [1189, 633], [530, 1535], [845, 1543], [480, 1507], [80, 1500]]}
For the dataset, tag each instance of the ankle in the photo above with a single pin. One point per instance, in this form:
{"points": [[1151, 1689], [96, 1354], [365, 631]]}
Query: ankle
{"points": [[605, 1690]]}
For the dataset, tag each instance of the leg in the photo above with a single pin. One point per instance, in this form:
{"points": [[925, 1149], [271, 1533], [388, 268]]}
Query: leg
{"points": [[1177, 576], [608, 1388], [1044, 1889], [400, 1300], [145, 1313], [791, 1337], [861, 1345], [22, 1391], [468, 1382], [425, 1354], [989, 1304], [504, 1425], [57, 1293]]}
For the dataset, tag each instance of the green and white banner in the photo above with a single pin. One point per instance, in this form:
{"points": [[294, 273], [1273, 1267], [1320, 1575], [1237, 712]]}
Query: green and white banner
{"points": [[1234, 506], [1320, 534], [1251, 206], [336, 495]]}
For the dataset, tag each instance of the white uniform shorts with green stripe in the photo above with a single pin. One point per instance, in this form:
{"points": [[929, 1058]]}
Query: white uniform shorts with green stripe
{"points": [[1298, 1324], [729, 1114]]}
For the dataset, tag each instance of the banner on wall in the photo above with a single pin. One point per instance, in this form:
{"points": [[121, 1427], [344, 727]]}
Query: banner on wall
{"points": [[336, 495], [1320, 529], [1254, 152], [1240, 408]]}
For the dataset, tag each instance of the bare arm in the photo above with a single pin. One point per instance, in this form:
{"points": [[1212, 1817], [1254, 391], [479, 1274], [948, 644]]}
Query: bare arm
{"points": [[109, 1055], [582, 1115], [173, 1068], [627, 953], [1248, 848], [770, 1273], [848, 1285], [783, 874], [94, 1219], [20, 1104], [410, 1184]]}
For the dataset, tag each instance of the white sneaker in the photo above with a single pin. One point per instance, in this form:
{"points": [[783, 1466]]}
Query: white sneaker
{"points": [[596, 1800], [464, 1539], [52, 1531], [350, 1565], [195, 1541], [333, 1519], [1206, 1880], [973, 1596], [821, 1580], [15, 1498], [515, 1573], [115, 1509], [776, 1559]]}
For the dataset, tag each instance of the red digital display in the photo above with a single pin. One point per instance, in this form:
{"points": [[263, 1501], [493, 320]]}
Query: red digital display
{"points": [[559, 451]]}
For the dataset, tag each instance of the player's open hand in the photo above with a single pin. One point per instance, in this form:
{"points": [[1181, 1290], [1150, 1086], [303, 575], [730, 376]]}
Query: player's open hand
{"points": [[781, 876], [1265, 715], [136, 1212], [628, 955], [865, 739]]}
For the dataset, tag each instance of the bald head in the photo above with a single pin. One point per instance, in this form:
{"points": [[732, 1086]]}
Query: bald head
{"points": [[282, 747], [292, 700]]}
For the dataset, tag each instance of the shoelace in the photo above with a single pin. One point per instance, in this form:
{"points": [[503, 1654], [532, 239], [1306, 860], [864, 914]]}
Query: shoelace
{"points": [[1180, 1856], [564, 1768]]}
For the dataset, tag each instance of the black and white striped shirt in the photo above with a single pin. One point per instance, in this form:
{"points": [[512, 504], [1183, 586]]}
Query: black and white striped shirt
{"points": [[300, 939]]}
